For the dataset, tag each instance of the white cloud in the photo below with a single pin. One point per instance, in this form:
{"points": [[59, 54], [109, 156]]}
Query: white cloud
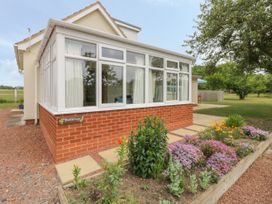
{"points": [[9, 73]]}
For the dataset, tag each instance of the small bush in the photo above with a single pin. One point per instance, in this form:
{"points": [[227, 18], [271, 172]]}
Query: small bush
{"points": [[207, 134], [209, 147], [148, 148], [192, 139], [188, 155], [221, 163], [205, 179], [193, 184], [244, 149], [234, 121], [78, 182], [255, 133], [174, 173]]}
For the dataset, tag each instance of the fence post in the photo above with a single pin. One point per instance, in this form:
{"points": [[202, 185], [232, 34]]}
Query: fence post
{"points": [[15, 95]]}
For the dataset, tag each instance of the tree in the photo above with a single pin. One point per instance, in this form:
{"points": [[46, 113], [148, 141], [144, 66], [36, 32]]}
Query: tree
{"points": [[238, 30], [258, 83]]}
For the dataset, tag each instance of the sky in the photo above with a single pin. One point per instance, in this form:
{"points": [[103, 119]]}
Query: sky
{"points": [[164, 23]]}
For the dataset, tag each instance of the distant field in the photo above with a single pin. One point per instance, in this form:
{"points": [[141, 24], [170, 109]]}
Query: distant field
{"points": [[7, 95], [256, 111]]}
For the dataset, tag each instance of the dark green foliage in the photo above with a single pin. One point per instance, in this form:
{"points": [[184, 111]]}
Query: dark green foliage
{"points": [[234, 121], [148, 148], [235, 30]]}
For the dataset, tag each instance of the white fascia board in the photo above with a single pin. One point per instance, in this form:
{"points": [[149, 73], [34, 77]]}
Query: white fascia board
{"points": [[33, 41], [90, 10], [52, 23], [127, 26]]}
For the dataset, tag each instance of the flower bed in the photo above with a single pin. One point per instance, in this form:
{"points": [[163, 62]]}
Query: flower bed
{"points": [[181, 172]]}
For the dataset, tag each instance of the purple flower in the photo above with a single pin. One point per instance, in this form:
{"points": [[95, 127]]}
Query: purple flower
{"points": [[221, 163], [255, 133], [192, 139], [187, 154], [219, 147]]}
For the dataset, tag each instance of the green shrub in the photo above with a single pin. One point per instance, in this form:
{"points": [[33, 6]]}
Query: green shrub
{"points": [[234, 121], [174, 173], [193, 184], [205, 179], [165, 202], [207, 134], [78, 182], [148, 148], [113, 176]]}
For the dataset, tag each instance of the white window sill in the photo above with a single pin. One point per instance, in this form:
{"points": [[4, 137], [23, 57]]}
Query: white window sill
{"points": [[124, 107]]}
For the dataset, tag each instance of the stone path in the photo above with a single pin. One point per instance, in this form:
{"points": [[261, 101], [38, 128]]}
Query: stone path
{"points": [[93, 165]]}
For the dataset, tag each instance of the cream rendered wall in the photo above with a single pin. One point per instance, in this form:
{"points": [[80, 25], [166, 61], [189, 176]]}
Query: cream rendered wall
{"points": [[130, 34], [30, 57], [97, 21], [194, 90]]}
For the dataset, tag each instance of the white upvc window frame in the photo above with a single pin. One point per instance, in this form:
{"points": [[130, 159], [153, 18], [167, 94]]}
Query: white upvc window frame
{"points": [[158, 56], [171, 60], [78, 57], [137, 65], [163, 84], [177, 73], [101, 46], [106, 105]]}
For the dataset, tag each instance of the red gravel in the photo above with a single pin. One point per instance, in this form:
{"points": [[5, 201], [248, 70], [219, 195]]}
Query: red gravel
{"points": [[255, 186], [27, 173]]}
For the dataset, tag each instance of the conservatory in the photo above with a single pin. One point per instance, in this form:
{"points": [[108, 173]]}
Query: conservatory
{"points": [[93, 87]]}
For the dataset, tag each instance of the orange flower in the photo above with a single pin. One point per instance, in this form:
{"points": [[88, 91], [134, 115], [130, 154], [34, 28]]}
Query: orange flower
{"points": [[119, 141]]}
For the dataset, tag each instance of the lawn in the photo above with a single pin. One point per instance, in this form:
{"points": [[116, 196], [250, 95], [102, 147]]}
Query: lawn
{"points": [[7, 105], [256, 111], [8, 95]]}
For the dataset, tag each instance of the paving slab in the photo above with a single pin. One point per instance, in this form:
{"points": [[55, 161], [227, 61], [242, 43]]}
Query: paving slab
{"points": [[208, 106], [183, 132], [206, 120], [197, 128], [173, 138], [110, 155], [87, 164]]}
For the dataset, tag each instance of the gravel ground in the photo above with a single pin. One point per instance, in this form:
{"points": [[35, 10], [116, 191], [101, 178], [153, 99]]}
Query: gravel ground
{"points": [[27, 173], [255, 186]]}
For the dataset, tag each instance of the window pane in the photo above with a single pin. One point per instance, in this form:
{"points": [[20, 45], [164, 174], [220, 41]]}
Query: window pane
{"points": [[74, 47], [135, 58], [184, 67], [172, 86], [156, 62], [112, 53], [171, 64], [155, 86], [112, 84], [135, 85], [80, 83], [184, 87]]}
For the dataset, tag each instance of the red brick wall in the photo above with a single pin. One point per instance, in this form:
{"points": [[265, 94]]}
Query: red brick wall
{"points": [[102, 129]]}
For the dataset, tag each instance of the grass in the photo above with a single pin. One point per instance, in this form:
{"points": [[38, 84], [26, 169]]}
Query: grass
{"points": [[7, 105], [256, 111], [8, 95]]}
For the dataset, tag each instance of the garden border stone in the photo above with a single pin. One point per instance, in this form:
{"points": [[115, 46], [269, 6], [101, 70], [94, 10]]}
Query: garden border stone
{"points": [[216, 191]]}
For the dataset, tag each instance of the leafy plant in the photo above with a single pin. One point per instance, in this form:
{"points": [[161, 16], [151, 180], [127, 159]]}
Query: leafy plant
{"points": [[209, 147], [174, 173], [83, 197], [244, 149], [207, 134], [234, 121], [78, 182], [144, 187], [148, 148], [188, 155], [193, 184], [112, 177], [205, 179]]}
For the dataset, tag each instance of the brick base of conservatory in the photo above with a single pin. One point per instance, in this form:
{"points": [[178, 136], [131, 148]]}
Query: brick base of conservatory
{"points": [[101, 130]]}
